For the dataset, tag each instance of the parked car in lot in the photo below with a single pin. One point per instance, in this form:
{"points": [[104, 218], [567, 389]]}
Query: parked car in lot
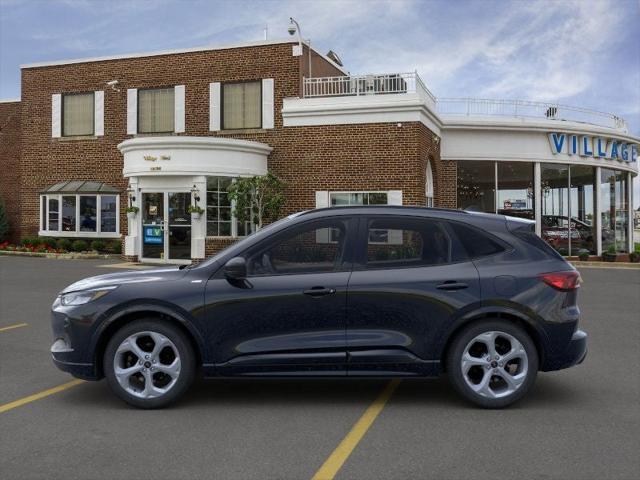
{"points": [[349, 291]]}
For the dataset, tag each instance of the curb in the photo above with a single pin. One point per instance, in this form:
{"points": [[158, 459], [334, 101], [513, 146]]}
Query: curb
{"points": [[614, 265], [63, 256]]}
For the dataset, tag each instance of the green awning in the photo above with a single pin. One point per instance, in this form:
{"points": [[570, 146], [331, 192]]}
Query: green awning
{"points": [[81, 186]]}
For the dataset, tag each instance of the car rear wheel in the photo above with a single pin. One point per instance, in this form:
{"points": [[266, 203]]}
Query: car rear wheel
{"points": [[149, 363], [492, 363]]}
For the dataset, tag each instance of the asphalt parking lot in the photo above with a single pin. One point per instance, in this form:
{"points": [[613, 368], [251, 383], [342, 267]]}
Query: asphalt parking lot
{"points": [[580, 423]]}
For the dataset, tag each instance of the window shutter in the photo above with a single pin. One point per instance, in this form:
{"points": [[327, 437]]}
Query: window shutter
{"points": [[322, 199], [132, 111], [394, 197], [267, 103], [98, 111], [179, 111], [214, 106], [56, 115]]}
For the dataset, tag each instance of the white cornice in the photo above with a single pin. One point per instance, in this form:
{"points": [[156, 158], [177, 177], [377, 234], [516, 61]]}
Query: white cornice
{"points": [[194, 143], [9, 100]]}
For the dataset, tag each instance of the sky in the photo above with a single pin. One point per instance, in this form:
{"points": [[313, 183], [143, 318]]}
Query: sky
{"points": [[584, 53]]}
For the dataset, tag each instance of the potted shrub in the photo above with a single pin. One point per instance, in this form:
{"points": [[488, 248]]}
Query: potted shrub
{"points": [[610, 255], [583, 255], [131, 212], [635, 255], [195, 211]]}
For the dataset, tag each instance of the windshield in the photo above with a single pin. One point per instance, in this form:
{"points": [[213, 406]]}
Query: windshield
{"points": [[253, 237]]}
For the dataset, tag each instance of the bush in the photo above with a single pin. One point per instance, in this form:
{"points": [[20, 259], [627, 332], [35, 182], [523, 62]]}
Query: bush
{"points": [[115, 247], [98, 245], [583, 255], [79, 246], [29, 241], [64, 244], [47, 242]]}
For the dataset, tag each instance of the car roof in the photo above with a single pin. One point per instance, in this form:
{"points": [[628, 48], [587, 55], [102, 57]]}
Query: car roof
{"points": [[444, 213]]}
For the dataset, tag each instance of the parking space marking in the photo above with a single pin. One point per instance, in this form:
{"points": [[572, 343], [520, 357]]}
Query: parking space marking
{"points": [[37, 396], [126, 265], [334, 463], [11, 327]]}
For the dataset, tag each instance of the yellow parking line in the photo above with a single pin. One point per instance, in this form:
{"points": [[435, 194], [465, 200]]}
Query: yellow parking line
{"points": [[37, 396], [348, 444], [11, 327]]}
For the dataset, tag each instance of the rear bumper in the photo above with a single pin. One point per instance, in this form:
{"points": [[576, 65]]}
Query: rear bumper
{"points": [[574, 354]]}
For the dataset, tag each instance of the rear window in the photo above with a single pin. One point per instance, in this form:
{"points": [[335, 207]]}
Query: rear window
{"points": [[527, 234], [475, 242]]}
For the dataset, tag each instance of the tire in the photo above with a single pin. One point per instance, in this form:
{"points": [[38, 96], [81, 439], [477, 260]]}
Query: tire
{"points": [[149, 349], [500, 381]]}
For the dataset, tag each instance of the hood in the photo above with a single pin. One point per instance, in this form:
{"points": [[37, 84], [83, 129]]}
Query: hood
{"points": [[155, 275]]}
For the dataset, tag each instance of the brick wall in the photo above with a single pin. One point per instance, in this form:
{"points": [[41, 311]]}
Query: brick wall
{"points": [[340, 157], [10, 160]]}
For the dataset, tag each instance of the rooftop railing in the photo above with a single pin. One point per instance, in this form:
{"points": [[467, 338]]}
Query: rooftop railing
{"points": [[528, 109], [401, 83]]}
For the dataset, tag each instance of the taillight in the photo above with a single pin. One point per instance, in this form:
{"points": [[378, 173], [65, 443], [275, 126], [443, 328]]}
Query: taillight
{"points": [[564, 281]]}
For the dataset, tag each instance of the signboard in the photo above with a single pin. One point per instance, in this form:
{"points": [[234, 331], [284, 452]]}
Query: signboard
{"points": [[597, 147], [152, 235], [515, 204]]}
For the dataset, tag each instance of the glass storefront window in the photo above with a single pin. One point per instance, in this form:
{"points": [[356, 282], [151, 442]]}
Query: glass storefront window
{"points": [[581, 204], [614, 210], [53, 213], [515, 189], [221, 221], [554, 181], [73, 215], [108, 213], [476, 186]]}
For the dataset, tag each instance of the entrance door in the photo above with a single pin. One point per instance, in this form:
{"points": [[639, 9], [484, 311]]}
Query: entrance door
{"points": [[166, 227]]}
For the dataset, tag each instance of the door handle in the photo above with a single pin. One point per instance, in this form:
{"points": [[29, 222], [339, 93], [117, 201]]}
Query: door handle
{"points": [[452, 285], [319, 291]]}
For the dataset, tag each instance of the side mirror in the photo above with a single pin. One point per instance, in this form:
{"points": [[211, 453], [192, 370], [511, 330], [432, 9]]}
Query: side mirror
{"points": [[235, 269]]}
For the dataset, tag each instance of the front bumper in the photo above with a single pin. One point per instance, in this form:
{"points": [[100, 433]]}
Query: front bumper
{"points": [[574, 354], [63, 357]]}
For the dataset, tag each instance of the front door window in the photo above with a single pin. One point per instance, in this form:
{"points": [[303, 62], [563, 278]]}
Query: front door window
{"points": [[166, 226]]}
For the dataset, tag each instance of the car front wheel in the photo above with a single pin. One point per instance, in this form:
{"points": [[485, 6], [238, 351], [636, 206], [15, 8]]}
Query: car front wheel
{"points": [[149, 363], [492, 363]]}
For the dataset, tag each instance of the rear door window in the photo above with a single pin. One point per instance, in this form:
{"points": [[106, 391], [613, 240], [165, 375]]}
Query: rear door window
{"points": [[474, 241], [401, 242]]}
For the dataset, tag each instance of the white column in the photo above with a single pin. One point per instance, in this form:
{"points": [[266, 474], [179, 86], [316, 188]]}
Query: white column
{"points": [[199, 226], [537, 192], [132, 241], [630, 211], [598, 213]]}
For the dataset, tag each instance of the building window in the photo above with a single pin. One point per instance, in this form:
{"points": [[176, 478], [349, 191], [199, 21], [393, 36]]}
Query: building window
{"points": [[241, 105], [344, 199], [614, 210], [428, 188], [78, 114], [515, 189], [477, 186], [156, 110], [221, 220], [75, 215]]}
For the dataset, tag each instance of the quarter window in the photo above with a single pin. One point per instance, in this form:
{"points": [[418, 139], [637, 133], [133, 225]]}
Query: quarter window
{"points": [[302, 252], [78, 114], [242, 105], [406, 242], [156, 110], [475, 243]]}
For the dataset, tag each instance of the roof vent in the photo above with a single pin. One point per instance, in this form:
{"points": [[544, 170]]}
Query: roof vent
{"points": [[333, 56]]}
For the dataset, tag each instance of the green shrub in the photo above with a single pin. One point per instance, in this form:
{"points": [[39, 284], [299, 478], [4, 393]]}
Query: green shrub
{"points": [[98, 245], [583, 255], [28, 241], [115, 247], [79, 246], [64, 244], [47, 242], [611, 249]]}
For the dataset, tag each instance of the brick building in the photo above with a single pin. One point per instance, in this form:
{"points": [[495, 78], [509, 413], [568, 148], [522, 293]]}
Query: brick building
{"points": [[163, 130]]}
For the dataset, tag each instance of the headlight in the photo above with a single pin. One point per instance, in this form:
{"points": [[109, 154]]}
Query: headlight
{"points": [[84, 296]]}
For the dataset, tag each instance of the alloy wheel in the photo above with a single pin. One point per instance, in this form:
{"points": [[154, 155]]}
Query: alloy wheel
{"points": [[494, 364], [147, 364]]}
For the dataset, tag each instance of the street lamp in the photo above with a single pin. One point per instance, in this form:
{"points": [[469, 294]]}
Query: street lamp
{"points": [[294, 27]]}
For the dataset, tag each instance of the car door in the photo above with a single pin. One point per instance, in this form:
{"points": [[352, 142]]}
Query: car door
{"points": [[289, 317], [409, 280]]}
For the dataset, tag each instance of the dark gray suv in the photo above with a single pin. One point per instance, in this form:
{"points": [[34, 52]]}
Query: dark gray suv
{"points": [[350, 291]]}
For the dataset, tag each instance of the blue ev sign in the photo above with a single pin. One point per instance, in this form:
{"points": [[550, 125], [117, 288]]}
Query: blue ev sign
{"points": [[589, 146]]}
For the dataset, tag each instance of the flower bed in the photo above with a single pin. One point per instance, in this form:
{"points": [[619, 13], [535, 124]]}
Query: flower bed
{"points": [[53, 246]]}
